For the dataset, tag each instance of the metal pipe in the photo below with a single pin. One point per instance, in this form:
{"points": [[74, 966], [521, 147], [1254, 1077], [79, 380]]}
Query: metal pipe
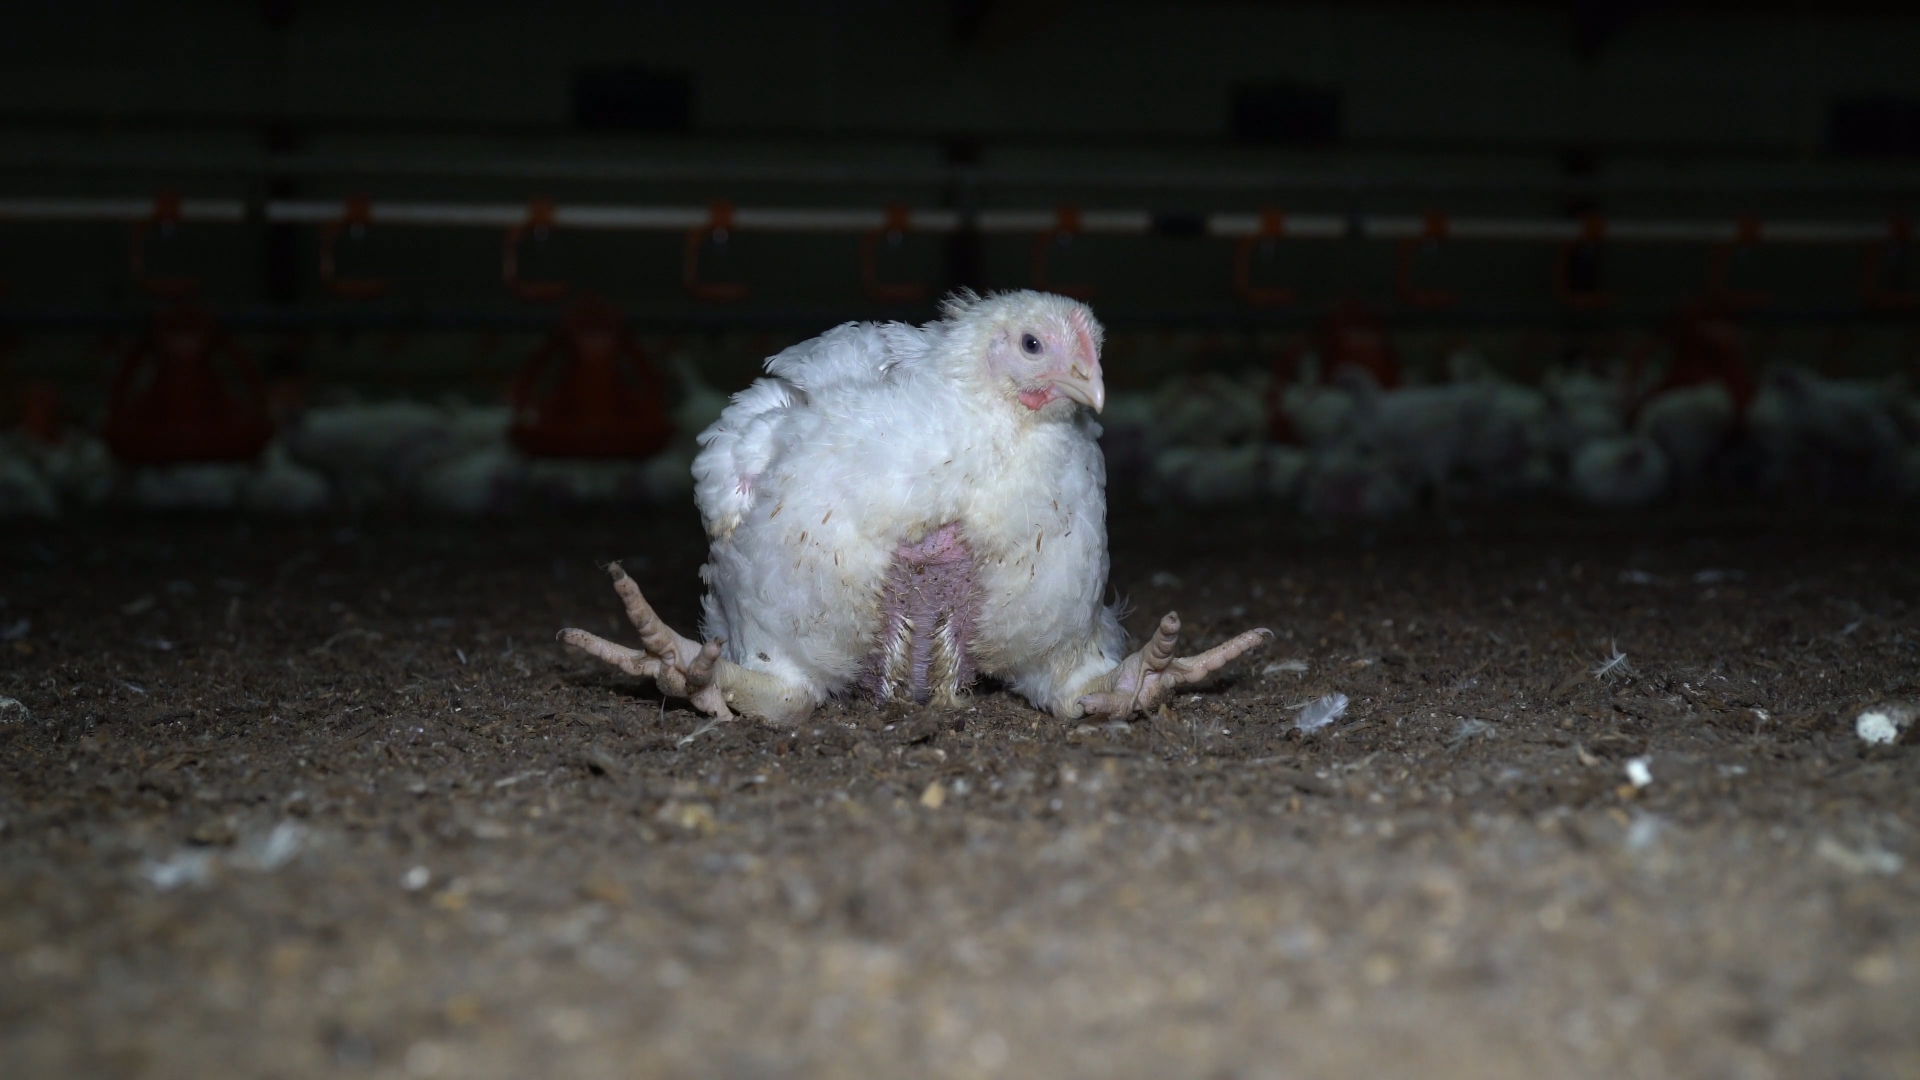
{"points": [[226, 211], [1900, 182], [810, 320], [937, 221]]}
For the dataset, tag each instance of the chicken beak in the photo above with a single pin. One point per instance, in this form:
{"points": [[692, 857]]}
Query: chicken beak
{"points": [[1082, 383]]}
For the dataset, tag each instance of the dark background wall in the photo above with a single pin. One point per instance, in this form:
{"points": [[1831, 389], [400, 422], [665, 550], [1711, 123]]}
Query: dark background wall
{"points": [[1522, 109], [1440, 76]]}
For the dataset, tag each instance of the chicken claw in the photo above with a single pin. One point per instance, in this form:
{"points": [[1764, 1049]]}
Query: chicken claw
{"points": [[683, 667], [1139, 682], [679, 666]]}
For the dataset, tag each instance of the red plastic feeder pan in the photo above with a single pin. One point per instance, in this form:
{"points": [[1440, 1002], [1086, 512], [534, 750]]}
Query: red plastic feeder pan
{"points": [[187, 391], [589, 392]]}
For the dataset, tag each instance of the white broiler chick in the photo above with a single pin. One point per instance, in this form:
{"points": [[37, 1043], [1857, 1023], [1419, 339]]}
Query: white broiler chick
{"points": [[1619, 471], [1323, 416], [1906, 480], [1424, 431], [1508, 450], [486, 480], [203, 486], [1225, 476], [373, 451], [81, 469], [1127, 437], [1583, 407], [1829, 433], [700, 405], [899, 508], [1691, 424], [24, 492], [1351, 482], [1906, 416], [280, 485], [1209, 410]]}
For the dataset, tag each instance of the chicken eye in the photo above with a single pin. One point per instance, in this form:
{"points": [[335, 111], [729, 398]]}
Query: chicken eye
{"points": [[1030, 344]]}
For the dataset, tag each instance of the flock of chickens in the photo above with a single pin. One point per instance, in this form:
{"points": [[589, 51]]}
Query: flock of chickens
{"points": [[1346, 446], [1333, 438], [451, 456]]}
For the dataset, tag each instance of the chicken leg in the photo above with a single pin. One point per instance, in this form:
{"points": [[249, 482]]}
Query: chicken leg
{"points": [[1144, 679], [682, 667]]}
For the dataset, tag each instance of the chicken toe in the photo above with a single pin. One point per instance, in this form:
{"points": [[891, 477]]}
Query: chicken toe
{"points": [[678, 665], [1144, 679], [682, 667]]}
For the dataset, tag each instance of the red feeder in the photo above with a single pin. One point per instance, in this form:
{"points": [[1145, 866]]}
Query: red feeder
{"points": [[187, 391], [1350, 337], [1708, 347], [1285, 368], [589, 392], [41, 412]]}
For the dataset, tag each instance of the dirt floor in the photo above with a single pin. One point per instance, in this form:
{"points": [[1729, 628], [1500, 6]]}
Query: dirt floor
{"points": [[328, 799]]}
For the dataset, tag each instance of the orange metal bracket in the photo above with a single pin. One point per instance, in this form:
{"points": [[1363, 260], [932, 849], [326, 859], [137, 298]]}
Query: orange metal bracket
{"points": [[539, 222], [1432, 234], [1593, 234], [1273, 226], [166, 218], [719, 231], [1719, 259], [1066, 226], [357, 216], [1873, 287], [892, 232]]}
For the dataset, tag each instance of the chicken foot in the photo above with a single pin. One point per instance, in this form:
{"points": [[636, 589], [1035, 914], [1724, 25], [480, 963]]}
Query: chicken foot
{"points": [[1143, 679], [682, 667]]}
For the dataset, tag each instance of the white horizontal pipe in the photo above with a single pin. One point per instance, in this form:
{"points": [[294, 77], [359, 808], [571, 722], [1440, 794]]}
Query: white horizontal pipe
{"points": [[118, 210], [1299, 226], [1825, 232], [1124, 222], [632, 218], [1517, 230], [1017, 221], [1896, 181], [1673, 232], [1029, 222]]}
